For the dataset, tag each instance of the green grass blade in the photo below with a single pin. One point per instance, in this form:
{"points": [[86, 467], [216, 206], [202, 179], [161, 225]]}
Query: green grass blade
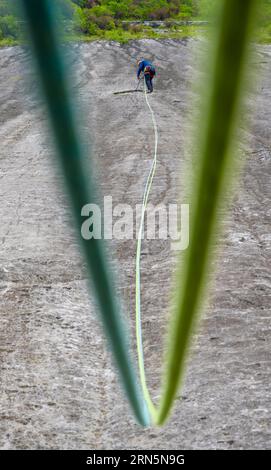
{"points": [[80, 188], [228, 72]]}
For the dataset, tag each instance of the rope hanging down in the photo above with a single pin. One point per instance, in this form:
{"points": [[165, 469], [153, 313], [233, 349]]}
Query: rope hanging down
{"points": [[139, 340], [215, 160]]}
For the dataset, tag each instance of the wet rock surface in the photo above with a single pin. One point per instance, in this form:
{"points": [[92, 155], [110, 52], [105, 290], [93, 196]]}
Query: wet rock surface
{"points": [[59, 389]]}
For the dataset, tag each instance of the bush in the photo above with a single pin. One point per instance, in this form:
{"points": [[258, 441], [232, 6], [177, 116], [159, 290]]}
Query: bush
{"points": [[174, 10], [105, 22], [88, 23], [9, 27], [160, 14], [117, 35], [120, 9], [101, 10], [186, 12], [82, 21], [93, 30], [90, 3]]}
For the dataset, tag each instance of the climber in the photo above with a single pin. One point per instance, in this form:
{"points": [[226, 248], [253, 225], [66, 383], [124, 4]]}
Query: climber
{"points": [[146, 67]]}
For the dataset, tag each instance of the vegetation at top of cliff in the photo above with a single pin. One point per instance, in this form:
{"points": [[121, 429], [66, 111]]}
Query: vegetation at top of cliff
{"points": [[109, 19], [139, 9]]}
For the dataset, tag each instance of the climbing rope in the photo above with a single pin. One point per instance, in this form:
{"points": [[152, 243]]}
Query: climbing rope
{"points": [[139, 340]]}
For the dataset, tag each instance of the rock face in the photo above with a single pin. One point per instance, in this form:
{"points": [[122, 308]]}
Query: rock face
{"points": [[59, 389]]}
